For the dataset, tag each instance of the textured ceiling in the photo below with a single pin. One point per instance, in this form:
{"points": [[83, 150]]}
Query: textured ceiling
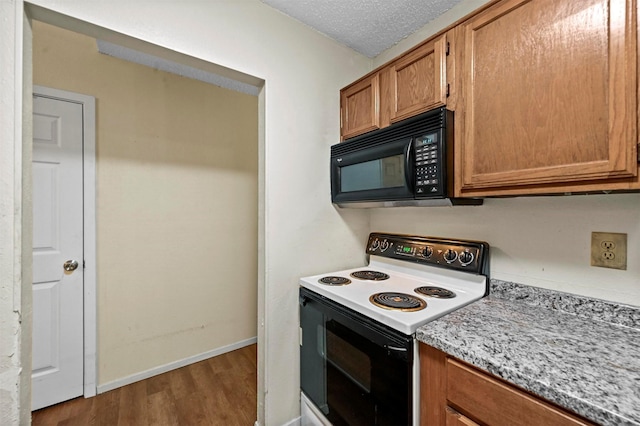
{"points": [[366, 26]]}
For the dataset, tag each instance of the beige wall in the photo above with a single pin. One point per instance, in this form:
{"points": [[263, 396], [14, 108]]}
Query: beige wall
{"points": [[177, 184]]}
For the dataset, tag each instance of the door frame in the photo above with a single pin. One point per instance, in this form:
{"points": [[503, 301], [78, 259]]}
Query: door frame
{"points": [[88, 104]]}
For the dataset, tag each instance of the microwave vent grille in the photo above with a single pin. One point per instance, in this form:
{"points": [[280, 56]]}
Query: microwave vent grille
{"points": [[428, 121]]}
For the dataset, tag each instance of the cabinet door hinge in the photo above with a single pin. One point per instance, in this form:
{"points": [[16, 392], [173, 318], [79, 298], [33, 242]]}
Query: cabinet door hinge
{"points": [[448, 49], [638, 151], [448, 92]]}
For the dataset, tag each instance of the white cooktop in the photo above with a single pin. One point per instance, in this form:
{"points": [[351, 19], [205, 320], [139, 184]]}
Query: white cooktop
{"points": [[404, 277]]}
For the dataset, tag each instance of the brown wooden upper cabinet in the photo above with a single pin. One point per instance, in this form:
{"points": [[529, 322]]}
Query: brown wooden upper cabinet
{"points": [[418, 80], [547, 98], [360, 107], [411, 84]]}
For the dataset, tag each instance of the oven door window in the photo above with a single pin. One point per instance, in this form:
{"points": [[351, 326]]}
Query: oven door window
{"points": [[347, 359], [349, 373]]}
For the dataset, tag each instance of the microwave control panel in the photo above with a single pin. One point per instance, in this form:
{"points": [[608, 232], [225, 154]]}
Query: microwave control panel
{"points": [[429, 177]]}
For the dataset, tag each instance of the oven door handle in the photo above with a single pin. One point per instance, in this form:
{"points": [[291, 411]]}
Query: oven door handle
{"points": [[395, 348], [303, 301]]}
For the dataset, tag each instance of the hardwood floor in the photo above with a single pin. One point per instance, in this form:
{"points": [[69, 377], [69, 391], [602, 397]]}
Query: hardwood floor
{"points": [[219, 391]]}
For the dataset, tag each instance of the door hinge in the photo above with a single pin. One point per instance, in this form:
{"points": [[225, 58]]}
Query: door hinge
{"points": [[84, 265], [448, 49], [638, 151], [448, 92]]}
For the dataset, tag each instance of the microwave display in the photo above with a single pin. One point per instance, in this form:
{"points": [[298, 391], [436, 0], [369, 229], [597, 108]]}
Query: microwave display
{"points": [[426, 140], [387, 172]]}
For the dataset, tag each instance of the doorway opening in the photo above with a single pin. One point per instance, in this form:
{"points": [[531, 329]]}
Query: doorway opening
{"points": [[124, 217]]}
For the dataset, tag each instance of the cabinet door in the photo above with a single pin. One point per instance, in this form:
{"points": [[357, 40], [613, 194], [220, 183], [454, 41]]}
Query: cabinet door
{"points": [[360, 107], [453, 393], [418, 80], [548, 95]]}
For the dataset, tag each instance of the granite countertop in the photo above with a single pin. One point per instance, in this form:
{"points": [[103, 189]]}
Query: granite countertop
{"points": [[580, 353]]}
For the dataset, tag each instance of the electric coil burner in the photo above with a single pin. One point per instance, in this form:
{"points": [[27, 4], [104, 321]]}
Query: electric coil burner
{"points": [[447, 273], [359, 359], [370, 275], [398, 301], [332, 280], [437, 292]]}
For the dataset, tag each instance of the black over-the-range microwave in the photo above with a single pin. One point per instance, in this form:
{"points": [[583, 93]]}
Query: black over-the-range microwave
{"points": [[409, 163]]}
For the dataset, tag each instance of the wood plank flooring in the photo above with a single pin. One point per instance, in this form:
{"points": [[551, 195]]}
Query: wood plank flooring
{"points": [[219, 391]]}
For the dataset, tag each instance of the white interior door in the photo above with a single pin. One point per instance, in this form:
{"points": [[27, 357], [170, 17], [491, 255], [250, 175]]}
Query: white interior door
{"points": [[57, 373]]}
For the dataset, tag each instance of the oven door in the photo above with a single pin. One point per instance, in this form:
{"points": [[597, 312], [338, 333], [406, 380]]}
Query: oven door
{"points": [[383, 172], [356, 371]]}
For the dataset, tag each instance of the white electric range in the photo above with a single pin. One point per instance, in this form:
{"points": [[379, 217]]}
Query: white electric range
{"points": [[366, 318]]}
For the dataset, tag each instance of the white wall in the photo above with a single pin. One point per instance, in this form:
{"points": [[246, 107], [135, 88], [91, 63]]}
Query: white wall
{"points": [[15, 216], [303, 72], [540, 241]]}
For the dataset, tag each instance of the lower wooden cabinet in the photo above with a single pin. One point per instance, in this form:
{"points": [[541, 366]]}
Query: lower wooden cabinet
{"points": [[454, 393], [456, 419]]}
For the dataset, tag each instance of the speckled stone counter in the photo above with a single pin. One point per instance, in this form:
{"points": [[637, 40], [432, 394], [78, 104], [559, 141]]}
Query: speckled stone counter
{"points": [[581, 353]]}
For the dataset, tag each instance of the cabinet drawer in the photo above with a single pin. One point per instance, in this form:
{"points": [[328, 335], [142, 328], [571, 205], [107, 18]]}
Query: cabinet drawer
{"points": [[453, 418], [490, 401]]}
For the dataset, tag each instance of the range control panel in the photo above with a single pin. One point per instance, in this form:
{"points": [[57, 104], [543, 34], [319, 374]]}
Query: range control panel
{"points": [[463, 255]]}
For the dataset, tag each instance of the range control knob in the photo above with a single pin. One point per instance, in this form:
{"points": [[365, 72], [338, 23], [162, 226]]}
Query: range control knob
{"points": [[384, 245], [375, 245], [465, 257], [450, 255], [427, 252]]}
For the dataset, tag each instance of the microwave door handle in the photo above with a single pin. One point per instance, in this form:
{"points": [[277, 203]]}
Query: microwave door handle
{"points": [[409, 164]]}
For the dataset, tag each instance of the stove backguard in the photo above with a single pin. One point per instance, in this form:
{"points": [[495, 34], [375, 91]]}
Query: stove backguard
{"points": [[460, 255]]}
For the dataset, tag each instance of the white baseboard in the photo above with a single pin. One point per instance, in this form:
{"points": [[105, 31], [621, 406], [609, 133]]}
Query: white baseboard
{"points": [[173, 365]]}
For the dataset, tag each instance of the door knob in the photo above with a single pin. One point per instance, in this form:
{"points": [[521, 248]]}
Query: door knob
{"points": [[70, 265]]}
